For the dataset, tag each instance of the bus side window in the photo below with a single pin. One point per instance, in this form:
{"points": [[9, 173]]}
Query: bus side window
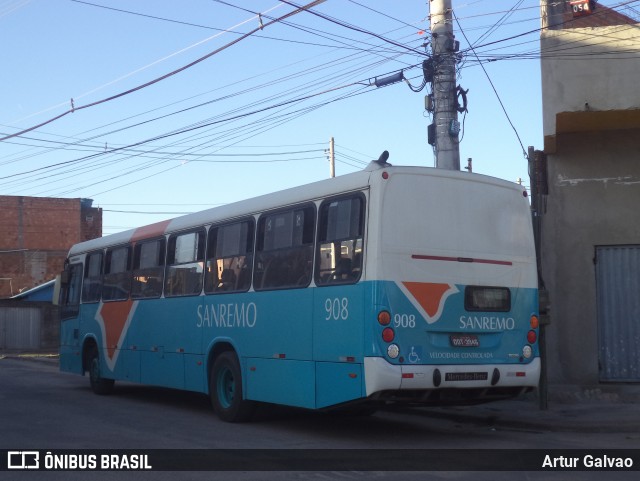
{"points": [[70, 292], [229, 258], [117, 274], [340, 241], [148, 269], [92, 285], [284, 251], [185, 262]]}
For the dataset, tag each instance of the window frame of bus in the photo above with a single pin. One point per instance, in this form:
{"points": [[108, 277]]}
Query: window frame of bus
{"points": [[70, 305], [308, 233], [92, 284], [197, 261], [211, 257], [156, 270], [321, 240], [123, 277]]}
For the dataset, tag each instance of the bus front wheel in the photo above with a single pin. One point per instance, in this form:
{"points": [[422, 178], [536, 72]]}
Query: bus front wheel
{"points": [[225, 388], [99, 385]]}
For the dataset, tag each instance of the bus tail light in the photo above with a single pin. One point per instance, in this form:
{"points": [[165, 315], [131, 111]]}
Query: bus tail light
{"points": [[534, 322], [384, 318], [388, 335], [531, 337]]}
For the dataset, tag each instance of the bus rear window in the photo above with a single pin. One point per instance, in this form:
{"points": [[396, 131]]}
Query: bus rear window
{"points": [[488, 299]]}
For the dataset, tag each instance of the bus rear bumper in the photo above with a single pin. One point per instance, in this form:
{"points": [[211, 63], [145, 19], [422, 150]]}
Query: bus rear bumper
{"points": [[380, 376]]}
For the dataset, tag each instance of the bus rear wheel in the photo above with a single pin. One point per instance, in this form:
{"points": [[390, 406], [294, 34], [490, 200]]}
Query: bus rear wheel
{"points": [[99, 385], [225, 388]]}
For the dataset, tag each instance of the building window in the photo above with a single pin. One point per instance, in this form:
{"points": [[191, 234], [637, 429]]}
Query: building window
{"points": [[284, 254], [185, 261], [117, 274], [229, 257], [340, 241], [92, 286], [148, 269]]}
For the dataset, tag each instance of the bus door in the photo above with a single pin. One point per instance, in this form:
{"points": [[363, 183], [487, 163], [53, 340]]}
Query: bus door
{"points": [[69, 302]]}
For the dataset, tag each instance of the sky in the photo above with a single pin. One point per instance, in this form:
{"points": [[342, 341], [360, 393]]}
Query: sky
{"points": [[148, 139]]}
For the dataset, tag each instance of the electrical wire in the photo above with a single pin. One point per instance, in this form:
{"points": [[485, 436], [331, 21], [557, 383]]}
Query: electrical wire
{"points": [[163, 77], [355, 28], [494, 89]]}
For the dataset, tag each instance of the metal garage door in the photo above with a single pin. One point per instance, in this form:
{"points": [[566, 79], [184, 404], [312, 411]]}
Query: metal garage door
{"points": [[618, 299]]}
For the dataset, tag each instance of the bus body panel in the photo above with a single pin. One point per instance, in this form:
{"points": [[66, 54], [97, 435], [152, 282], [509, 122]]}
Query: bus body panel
{"points": [[338, 382], [338, 327], [281, 381]]}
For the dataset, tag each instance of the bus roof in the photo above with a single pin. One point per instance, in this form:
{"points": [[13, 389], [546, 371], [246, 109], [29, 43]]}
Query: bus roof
{"points": [[309, 192]]}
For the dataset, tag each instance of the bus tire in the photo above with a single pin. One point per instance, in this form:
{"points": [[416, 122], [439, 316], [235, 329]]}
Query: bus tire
{"points": [[225, 389], [99, 385]]}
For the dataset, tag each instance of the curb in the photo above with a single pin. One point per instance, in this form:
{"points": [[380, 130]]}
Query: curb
{"points": [[37, 357]]}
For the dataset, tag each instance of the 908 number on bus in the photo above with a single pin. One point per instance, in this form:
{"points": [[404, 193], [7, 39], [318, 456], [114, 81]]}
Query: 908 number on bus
{"points": [[336, 309], [404, 320]]}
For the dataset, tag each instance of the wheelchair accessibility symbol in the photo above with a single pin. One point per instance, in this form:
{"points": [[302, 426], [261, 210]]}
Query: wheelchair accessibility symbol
{"points": [[414, 357]]}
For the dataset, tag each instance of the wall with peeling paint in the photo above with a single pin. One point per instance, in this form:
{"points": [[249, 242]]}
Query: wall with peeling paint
{"points": [[594, 200], [591, 124]]}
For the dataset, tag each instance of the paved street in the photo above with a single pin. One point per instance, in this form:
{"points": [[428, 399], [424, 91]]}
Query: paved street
{"points": [[45, 409]]}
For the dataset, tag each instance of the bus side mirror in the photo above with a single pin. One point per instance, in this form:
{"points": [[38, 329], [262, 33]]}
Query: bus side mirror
{"points": [[64, 277], [57, 287]]}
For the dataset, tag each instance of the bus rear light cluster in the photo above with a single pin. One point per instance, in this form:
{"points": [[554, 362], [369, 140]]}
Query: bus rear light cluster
{"points": [[393, 350], [534, 322], [532, 337], [384, 318], [388, 335]]}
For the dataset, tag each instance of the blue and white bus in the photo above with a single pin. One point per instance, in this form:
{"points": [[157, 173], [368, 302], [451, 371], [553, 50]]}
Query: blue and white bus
{"points": [[389, 285]]}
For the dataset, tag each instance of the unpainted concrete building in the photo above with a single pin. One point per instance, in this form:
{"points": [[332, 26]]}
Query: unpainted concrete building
{"points": [[590, 217]]}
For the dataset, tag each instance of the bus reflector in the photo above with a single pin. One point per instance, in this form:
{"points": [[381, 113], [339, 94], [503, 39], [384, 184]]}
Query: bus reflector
{"points": [[407, 375], [531, 337], [388, 335], [384, 318], [533, 322]]}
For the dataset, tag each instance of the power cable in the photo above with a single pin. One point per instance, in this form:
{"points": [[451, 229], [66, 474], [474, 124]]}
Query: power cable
{"points": [[493, 87], [355, 28], [165, 76]]}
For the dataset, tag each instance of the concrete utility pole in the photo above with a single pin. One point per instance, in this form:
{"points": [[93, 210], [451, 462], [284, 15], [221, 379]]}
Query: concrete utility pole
{"points": [[332, 159], [445, 115]]}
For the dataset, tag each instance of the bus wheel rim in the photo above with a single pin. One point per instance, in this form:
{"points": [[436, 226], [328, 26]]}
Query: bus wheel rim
{"points": [[226, 388]]}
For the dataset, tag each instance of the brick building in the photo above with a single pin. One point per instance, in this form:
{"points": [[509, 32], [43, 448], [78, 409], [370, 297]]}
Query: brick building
{"points": [[36, 234]]}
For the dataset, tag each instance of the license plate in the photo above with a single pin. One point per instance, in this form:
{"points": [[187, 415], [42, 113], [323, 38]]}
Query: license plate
{"points": [[464, 340], [466, 376]]}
